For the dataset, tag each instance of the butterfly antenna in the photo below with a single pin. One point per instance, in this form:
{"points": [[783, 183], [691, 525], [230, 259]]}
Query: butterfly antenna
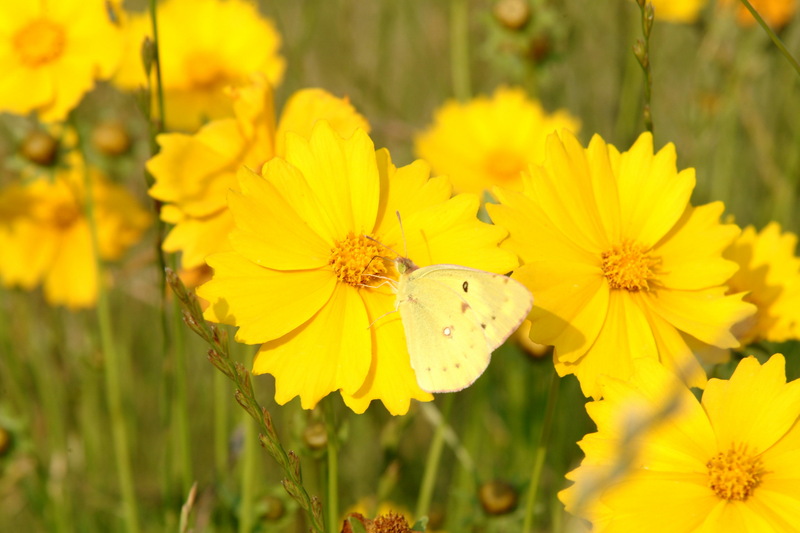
{"points": [[387, 247], [403, 233]]}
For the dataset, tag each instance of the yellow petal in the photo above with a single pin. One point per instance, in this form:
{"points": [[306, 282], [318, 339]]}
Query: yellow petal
{"points": [[332, 350], [391, 378], [269, 231], [754, 407], [72, 277], [264, 303], [308, 106], [343, 176], [197, 238], [570, 305], [691, 252], [625, 335], [705, 314], [653, 195]]}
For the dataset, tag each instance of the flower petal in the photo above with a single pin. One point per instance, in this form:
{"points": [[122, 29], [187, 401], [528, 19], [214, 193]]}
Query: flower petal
{"points": [[269, 231], [391, 378], [690, 252], [754, 407], [570, 305], [332, 350], [343, 176], [264, 303], [652, 193], [706, 314]]}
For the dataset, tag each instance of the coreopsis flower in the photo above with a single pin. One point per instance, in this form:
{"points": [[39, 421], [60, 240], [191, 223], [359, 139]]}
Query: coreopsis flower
{"points": [[205, 46], [489, 141], [193, 173], [769, 272], [51, 54], [663, 461], [307, 277], [620, 264], [678, 11], [776, 13], [45, 234]]}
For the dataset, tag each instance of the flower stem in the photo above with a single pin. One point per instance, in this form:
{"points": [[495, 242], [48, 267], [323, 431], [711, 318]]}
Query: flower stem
{"points": [[248, 473], [541, 452], [333, 470], [459, 48], [775, 39], [112, 377], [181, 402], [432, 462], [220, 426], [642, 51]]}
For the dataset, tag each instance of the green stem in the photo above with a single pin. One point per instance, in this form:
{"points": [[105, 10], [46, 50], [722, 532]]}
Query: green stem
{"points": [[181, 402], [432, 462], [112, 378], [221, 418], [333, 471], [247, 505], [459, 49], [541, 453], [775, 39], [157, 64]]}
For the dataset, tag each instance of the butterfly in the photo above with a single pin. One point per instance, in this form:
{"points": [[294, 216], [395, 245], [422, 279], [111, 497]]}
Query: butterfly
{"points": [[454, 317]]}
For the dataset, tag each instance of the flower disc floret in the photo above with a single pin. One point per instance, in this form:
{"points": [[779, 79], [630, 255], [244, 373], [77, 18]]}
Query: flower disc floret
{"points": [[629, 266], [735, 474], [355, 260], [40, 42]]}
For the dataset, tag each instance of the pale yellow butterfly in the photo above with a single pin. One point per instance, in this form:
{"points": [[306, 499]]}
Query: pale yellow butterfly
{"points": [[454, 317]]}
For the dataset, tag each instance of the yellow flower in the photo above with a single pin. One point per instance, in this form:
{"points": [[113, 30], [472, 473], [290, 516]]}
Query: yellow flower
{"points": [[776, 13], [304, 280], [52, 52], [46, 239], [193, 173], [489, 141], [620, 265], [679, 11], [205, 46], [769, 273], [662, 461]]}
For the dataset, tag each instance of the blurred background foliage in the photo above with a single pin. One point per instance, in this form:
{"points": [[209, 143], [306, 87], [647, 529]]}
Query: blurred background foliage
{"points": [[722, 93]]}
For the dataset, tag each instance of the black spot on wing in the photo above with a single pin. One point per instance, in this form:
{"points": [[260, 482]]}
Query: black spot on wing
{"points": [[465, 286]]}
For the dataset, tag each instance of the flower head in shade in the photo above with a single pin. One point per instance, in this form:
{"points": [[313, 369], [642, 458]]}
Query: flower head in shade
{"points": [[769, 274], [307, 281], [193, 173], [663, 461], [620, 265], [678, 11], [205, 46], [489, 141], [52, 52], [776, 13], [46, 238]]}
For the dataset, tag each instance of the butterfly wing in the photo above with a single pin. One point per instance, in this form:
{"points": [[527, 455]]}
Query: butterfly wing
{"points": [[454, 317]]}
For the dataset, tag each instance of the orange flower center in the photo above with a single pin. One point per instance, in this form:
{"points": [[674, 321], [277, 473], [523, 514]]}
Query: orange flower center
{"points": [[629, 266], [733, 475], [40, 42], [505, 165], [205, 70], [64, 215], [356, 261]]}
